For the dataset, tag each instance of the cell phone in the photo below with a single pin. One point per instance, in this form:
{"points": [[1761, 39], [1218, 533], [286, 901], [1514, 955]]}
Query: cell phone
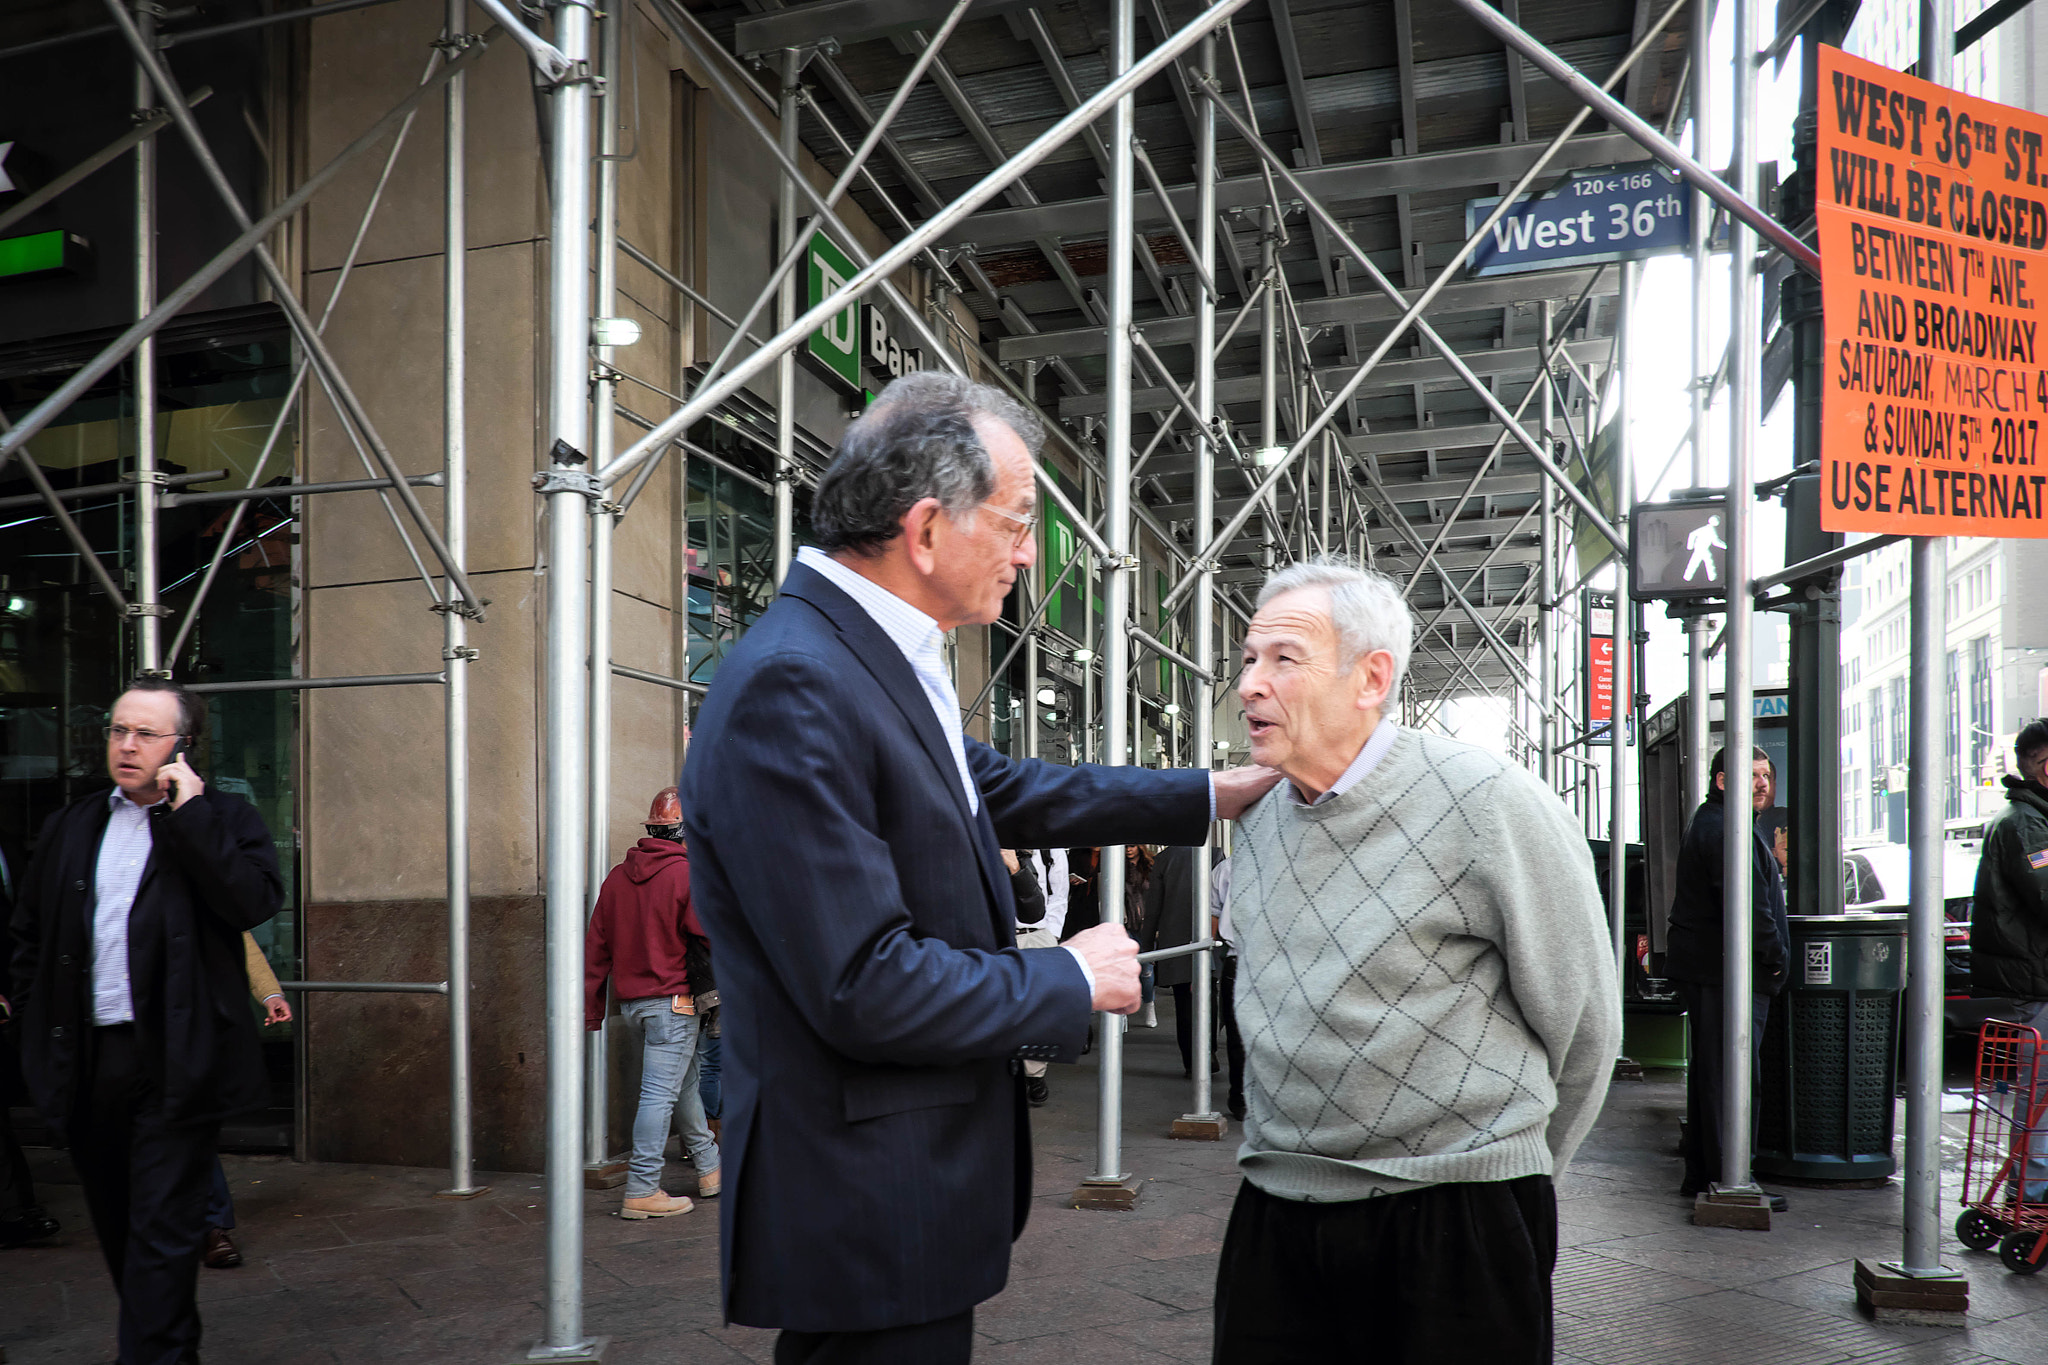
{"points": [[171, 784]]}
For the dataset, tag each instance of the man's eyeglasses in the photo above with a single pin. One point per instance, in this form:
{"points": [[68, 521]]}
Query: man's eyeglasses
{"points": [[1026, 521], [119, 733]]}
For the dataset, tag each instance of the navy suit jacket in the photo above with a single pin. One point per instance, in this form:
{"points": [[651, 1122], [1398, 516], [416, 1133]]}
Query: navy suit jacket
{"points": [[877, 1151]]}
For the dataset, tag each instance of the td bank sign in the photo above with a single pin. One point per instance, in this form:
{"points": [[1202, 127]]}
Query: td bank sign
{"points": [[858, 339]]}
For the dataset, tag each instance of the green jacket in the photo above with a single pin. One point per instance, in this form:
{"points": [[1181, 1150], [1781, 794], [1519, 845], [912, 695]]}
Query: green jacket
{"points": [[2009, 924]]}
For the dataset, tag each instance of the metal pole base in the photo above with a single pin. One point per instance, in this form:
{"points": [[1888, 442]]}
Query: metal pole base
{"points": [[1109, 1196], [608, 1174], [1200, 1127], [1927, 1298], [1722, 1206], [583, 1353], [470, 1193]]}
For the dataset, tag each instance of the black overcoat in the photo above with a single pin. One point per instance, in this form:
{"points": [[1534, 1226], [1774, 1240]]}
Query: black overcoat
{"points": [[211, 874]]}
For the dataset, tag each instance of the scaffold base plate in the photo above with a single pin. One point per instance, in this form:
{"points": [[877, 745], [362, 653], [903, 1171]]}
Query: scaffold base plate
{"points": [[1728, 1209], [471, 1193], [1200, 1127], [605, 1175], [1889, 1295], [1108, 1196], [590, 1352]]}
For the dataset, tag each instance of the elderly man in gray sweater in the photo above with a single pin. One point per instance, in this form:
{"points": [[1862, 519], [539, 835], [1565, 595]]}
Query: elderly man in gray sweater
{"points": [[1428, 1004]]}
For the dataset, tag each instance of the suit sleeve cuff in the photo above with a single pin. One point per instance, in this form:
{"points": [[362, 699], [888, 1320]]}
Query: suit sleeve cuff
{"points": [[1087, 973]]}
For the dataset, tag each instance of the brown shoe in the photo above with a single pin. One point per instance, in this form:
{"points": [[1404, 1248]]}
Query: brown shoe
{"points": [[221, 1252], [656, 1205], [708, 1186]]}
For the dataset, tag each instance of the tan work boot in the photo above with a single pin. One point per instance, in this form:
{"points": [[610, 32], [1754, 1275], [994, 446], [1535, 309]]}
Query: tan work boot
{"points": [[708, 1186], [656, 1205]]}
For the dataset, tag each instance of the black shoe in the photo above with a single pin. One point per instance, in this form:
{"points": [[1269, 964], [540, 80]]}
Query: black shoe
{"points": [[1689, 1190], [1236, 1107], [1036, 1090], [33, 1225], [1778, 1204]]}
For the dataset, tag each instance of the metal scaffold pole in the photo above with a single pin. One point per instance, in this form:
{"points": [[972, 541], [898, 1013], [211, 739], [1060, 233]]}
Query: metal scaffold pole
{"points": [[456, 652], [1698, 684], [1117, 575], [1926, 777], [785, 313], [1744, 418], [1202, 1114], [145, 607], [1546, 591], [567, 486], [604, 518], [1624, 638]]}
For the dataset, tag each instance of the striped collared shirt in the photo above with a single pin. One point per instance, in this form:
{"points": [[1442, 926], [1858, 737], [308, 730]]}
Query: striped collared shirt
{"points": [[920, 639], [124, 852]]}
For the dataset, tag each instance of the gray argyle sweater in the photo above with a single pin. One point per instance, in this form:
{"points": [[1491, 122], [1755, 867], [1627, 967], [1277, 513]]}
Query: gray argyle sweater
{"points": [[1425, 980]]}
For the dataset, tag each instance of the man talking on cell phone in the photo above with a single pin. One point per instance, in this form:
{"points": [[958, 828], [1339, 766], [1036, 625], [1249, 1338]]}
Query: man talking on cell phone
{"points": [[127, 976]]}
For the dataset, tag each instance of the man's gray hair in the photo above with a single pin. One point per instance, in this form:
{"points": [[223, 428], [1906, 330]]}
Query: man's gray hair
{"points": [[1365, 606], [916, 441]]}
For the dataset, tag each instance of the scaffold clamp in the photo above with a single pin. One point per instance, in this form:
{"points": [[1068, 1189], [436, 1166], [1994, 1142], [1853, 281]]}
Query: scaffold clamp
{"points": [[568, 481]]}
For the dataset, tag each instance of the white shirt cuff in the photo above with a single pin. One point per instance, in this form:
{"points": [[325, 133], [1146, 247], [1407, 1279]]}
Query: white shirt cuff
{"points": [[1087, 973], [1212, 798]]}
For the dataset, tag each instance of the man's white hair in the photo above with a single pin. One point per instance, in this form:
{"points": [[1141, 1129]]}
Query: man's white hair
{"points": [[1365, 606]]}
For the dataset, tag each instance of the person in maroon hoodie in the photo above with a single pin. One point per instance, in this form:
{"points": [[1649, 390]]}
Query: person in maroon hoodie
{"points": [[641, 937]]}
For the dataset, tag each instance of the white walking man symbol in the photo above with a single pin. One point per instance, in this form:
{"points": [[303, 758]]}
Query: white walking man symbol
{"points": [[1703, 542]]}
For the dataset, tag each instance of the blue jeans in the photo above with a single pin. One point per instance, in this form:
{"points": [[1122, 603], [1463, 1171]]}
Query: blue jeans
{"points": [[668, 1089], [710, 1068]]}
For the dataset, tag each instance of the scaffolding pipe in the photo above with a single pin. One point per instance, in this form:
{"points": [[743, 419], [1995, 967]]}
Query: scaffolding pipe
{"points": [[317, 684], [785, 313], [455, 651], [1546, 607], [1119, 565], [50, 497], [567, 487], [1624, 637], [1202, 1104], [1926, 777], [1625, 120], [146, 610], [659, 680], [604, 518], [1699, 684], [1739, 727], [297, 490]]}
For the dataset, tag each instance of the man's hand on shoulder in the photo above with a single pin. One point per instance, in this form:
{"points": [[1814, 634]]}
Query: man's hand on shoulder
{"points": [[1112, 955], [1237, 789]]}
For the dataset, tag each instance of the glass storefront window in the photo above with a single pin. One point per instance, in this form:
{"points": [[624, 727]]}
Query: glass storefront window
{"points": [[731, 546]]}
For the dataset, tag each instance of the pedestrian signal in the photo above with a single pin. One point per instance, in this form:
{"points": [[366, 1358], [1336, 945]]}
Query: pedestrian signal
{"points": [[1679, 549]]}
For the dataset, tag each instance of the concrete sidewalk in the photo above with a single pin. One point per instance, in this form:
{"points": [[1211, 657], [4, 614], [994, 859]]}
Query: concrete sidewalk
{"points": [[358, 1264]]}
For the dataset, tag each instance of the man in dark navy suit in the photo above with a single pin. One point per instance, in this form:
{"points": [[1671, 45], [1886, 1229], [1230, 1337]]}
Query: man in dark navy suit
{"points": [[846, 843]]}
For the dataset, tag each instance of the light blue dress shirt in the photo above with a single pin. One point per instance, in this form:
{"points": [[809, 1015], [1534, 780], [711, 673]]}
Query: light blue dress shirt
{"points": [[124, 853]]}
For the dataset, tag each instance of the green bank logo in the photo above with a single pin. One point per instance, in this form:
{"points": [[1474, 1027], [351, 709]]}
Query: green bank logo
{"points": [[837, 343]]}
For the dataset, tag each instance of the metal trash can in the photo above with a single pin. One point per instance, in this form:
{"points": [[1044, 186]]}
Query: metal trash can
{"points": [[1830, 1054]]}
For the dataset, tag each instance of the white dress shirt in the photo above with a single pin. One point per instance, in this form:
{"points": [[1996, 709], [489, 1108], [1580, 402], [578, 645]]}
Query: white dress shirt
{"points": [[124, 852], [1053, 876], [920, 639]]}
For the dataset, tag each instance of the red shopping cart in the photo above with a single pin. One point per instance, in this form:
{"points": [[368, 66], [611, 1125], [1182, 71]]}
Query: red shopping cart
{"points": [[2008, 1130]]}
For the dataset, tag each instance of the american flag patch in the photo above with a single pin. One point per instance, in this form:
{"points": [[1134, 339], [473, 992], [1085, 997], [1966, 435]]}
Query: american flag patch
{"points": [[2038, 860]]}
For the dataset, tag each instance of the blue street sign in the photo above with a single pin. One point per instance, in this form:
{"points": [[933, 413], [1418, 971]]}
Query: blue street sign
{"points": [[1608, 213]]}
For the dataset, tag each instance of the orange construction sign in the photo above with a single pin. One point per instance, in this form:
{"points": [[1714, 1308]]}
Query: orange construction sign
{"points": [[1933, 214]]}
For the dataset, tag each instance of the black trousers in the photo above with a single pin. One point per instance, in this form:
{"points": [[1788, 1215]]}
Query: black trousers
{"points": [[1706, 1078], [949, 1341], [1233, 1041], [1440, 1276], [146, 1184]]}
